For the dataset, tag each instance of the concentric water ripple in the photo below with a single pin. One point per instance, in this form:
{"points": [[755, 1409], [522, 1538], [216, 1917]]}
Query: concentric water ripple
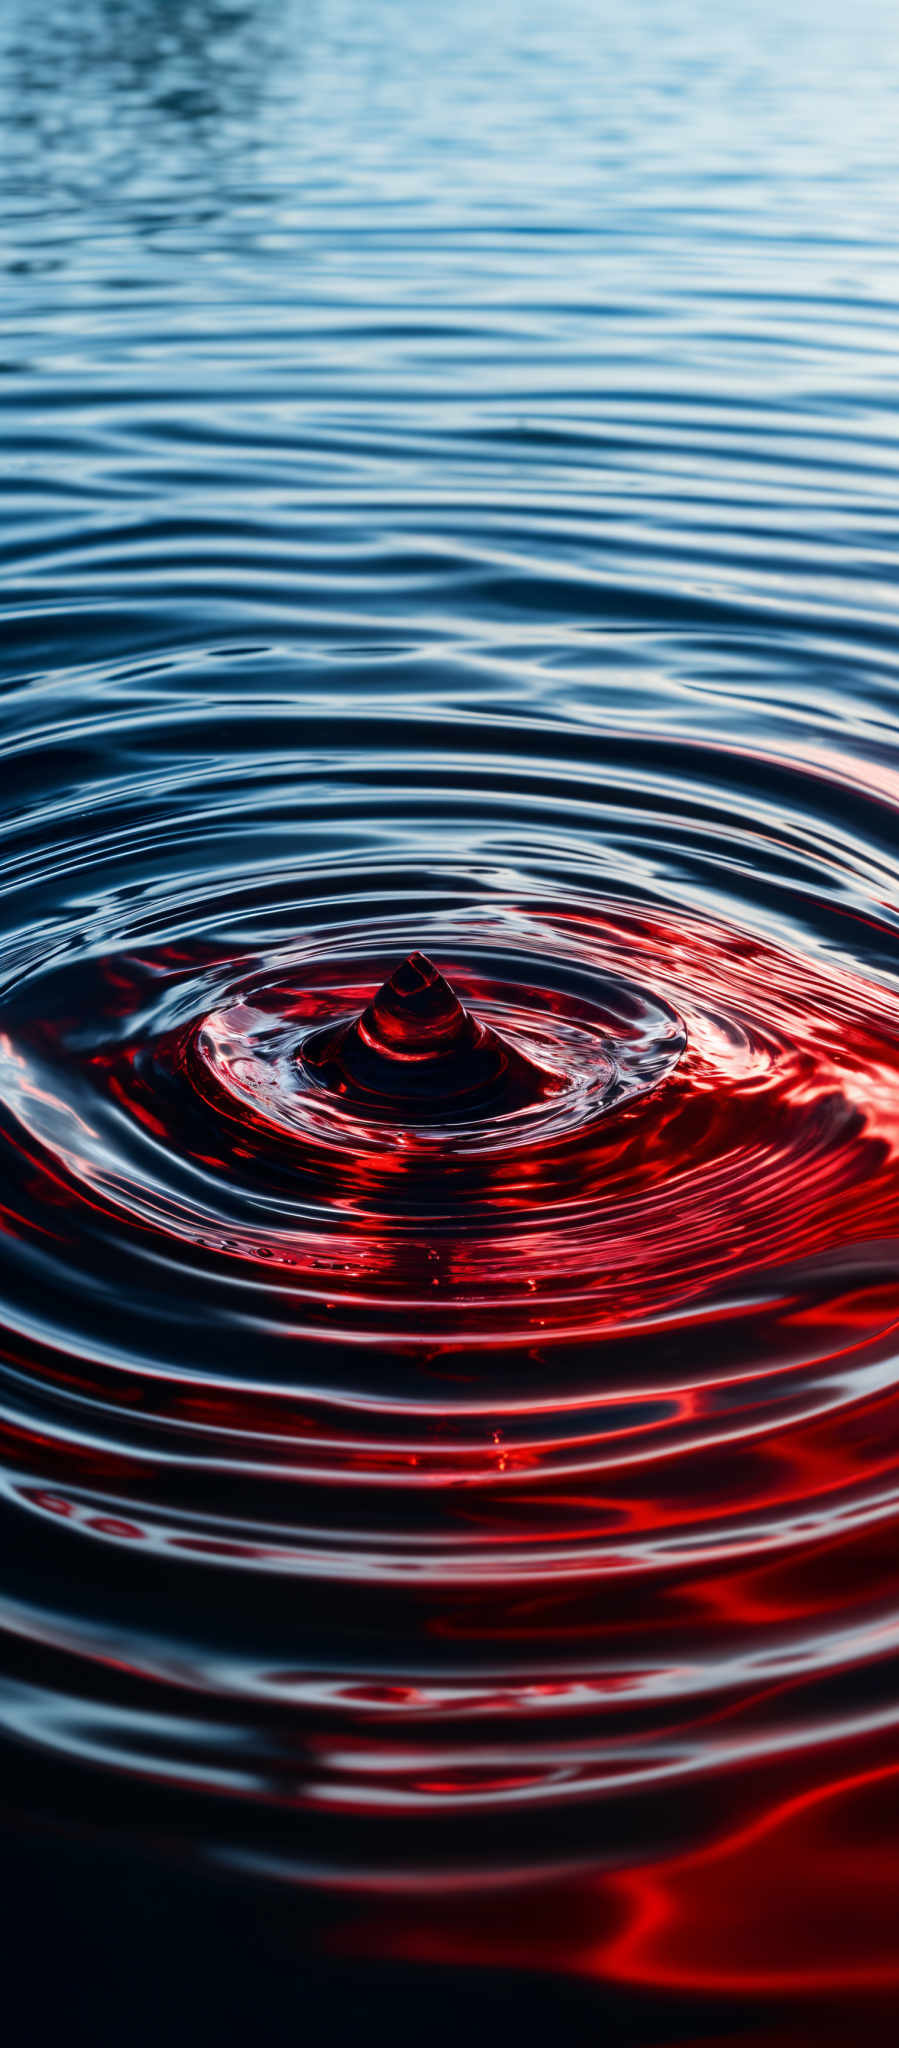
{"points": [[450, 503], [515, 1393]]}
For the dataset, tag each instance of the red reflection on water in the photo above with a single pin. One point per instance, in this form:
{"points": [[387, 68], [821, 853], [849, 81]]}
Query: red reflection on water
{"points": [[551, 1378]]}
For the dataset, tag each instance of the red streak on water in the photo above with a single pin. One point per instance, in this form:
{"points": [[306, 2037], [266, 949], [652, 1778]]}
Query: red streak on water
{"points": [[566, 1400]]}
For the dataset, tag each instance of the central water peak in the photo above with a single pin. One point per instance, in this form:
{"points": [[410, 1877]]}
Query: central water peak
{"points": [[417, 1016], [416, 1054]]}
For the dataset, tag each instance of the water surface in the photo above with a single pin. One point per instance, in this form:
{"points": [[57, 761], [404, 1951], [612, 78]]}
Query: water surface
{"points": [[449, 499]]}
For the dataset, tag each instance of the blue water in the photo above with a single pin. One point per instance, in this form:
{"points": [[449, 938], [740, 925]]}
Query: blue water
{"points": [[450, 460]]}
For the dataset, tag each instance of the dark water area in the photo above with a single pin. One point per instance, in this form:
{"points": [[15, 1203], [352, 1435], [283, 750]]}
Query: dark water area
{"points": [[449, 1465]]}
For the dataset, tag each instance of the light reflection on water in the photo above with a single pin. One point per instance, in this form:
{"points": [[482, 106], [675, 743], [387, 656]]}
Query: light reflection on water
{"points": [[450, 487]]}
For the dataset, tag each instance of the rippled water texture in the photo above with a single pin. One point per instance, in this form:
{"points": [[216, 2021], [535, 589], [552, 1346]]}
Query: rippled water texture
{"points": [[449, 499]]}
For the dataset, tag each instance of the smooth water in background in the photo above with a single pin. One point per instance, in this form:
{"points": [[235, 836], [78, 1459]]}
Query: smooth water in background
{"points": [[450, 496]]}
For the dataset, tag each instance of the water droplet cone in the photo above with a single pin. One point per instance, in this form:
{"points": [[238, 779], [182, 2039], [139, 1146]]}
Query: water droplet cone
{"points": [[416, 1054]]}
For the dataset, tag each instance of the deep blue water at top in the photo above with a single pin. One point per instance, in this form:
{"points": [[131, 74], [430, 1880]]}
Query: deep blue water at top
{"points": [[450, 458]]}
